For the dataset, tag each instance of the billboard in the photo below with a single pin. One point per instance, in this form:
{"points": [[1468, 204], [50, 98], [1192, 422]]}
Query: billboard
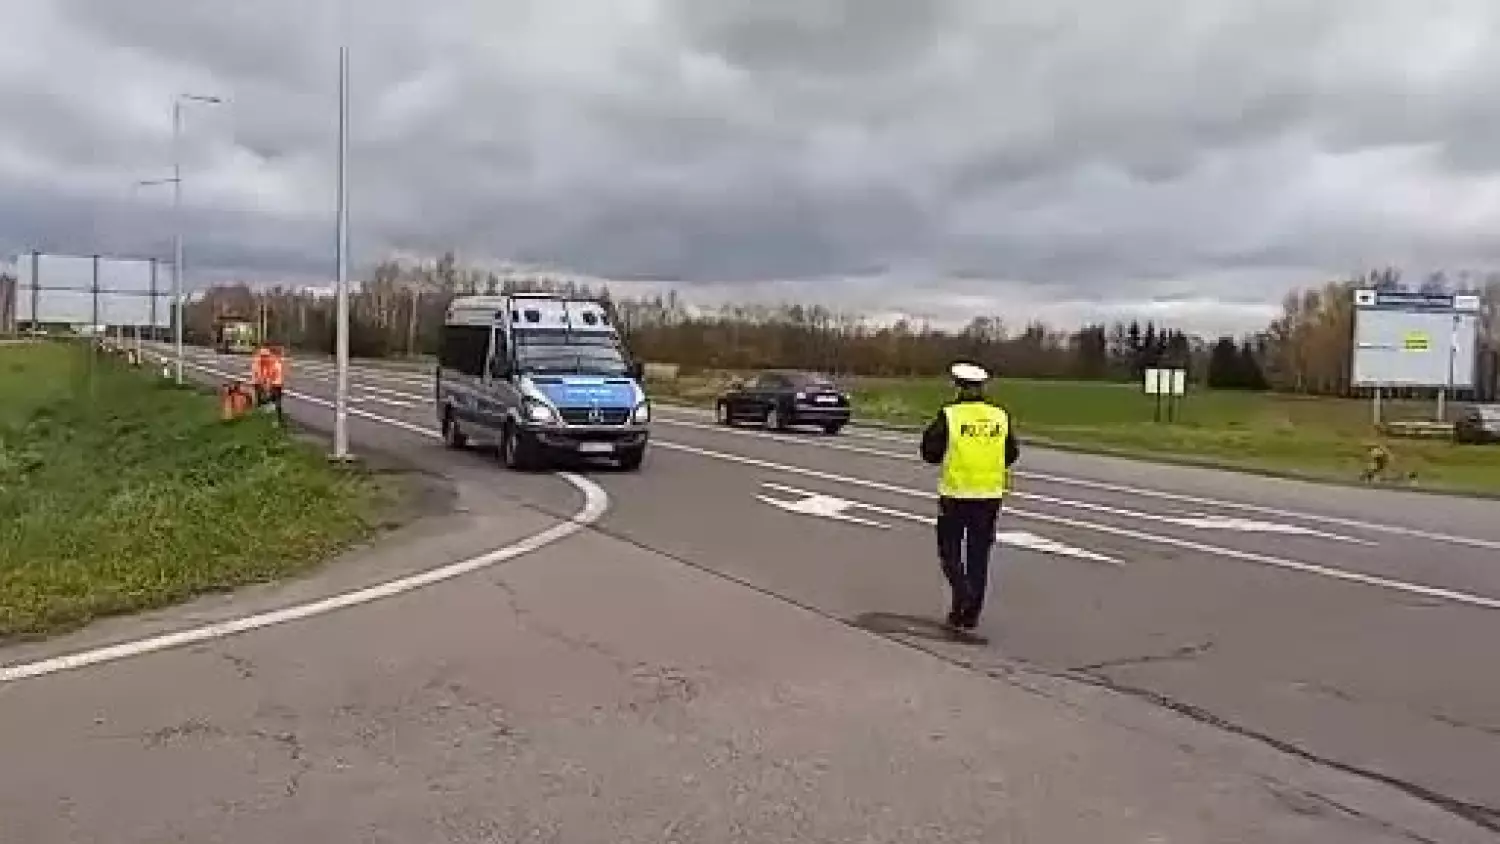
{"points": [[1415, 340], [80, 290]]}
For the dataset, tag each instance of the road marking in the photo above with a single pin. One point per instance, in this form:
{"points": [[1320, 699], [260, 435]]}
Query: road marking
{"points": [[817, 504], [595, 504], [1209, 521], [823, 506], [1163, 495], [1105, 486], [392, 402], [1191, 522], [1024, 496], [1451, 595]]}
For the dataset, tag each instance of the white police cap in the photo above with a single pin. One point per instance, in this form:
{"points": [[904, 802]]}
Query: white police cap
{"points": [[968, 373]]}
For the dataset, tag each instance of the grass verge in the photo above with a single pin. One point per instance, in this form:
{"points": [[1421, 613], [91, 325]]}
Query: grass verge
{"points": [[120, 492], [1293, 436]]}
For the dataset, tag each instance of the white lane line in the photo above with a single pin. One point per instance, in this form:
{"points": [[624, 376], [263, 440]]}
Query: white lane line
{"points": [[1024, 496], [1145, 492], [1017, 494], [328, 371], [1163, 495], [391, 402], [829, 507], [1453, 596], [595, 504], [366, 388]]}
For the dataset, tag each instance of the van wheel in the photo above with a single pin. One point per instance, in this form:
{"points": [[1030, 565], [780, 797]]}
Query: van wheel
{"points": [[515, 452], [453, 436], [631, 461]]}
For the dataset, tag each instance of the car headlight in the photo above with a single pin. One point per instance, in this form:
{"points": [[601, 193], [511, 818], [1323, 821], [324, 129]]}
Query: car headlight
{"points": [[642, 413], [538, 412]]}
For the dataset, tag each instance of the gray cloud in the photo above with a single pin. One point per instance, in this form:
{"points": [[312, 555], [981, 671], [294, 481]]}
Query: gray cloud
{"points": [[1068, 158]]}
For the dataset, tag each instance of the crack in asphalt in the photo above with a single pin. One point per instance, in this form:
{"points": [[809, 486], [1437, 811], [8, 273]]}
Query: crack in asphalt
{"points": [[664, 684], [1464, 725], [289, 742], [1180, 654], [1482, 816]]}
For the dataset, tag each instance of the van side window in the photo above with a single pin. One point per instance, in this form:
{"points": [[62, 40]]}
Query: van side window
{"points": [[464, 348]]}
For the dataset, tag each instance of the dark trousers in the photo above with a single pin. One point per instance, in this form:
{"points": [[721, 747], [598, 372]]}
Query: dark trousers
{"points": [[965, 535], [266, 393]]}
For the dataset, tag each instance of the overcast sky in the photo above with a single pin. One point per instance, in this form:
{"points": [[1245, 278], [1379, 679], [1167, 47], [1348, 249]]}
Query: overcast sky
{"points": [[1188, 159]]}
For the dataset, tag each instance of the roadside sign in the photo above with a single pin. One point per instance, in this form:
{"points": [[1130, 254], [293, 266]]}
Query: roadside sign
{"points": [[1416, 341]]}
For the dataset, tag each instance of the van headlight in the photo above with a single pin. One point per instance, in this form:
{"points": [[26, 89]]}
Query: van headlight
{"points": [[539, 412], [642, 414]]}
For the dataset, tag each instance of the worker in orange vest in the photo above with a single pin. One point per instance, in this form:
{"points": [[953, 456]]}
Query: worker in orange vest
{"points": [[268, 375]]}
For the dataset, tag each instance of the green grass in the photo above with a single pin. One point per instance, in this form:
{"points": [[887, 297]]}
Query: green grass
{"points": [[120, 492], [1320, 438]]}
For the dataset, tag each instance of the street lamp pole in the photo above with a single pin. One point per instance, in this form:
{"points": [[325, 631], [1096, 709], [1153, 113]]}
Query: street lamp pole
{"points": [[177, 278], [341, 342]]}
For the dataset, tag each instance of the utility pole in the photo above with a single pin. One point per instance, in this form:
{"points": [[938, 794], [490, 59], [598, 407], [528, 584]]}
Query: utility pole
{"points": [[176, 182], [341, 393]]}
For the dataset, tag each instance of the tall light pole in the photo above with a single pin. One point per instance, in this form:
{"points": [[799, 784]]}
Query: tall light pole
{"points": [[176, 181], [341, 333]]}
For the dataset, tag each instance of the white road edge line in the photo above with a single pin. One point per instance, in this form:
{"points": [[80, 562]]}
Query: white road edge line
{"points": [[1104, 486], [595, 504], [1160, 539]]}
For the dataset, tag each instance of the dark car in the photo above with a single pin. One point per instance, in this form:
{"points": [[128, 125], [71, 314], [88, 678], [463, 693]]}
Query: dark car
{"points": [[1478, 424], [780, 400]]}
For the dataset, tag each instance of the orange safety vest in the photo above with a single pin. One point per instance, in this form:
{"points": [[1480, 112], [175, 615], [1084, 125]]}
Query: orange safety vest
{"points": [[266, 369]]}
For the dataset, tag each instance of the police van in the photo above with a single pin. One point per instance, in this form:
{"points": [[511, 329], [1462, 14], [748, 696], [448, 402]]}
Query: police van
{"points": [[539, 376]]}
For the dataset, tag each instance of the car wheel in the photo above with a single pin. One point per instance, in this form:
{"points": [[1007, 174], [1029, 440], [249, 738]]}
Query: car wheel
{"points": [[721, 412], [517, 455], [453, 435], [832, 428]]}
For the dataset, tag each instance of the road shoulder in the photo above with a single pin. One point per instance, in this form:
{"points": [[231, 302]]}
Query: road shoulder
{"points": [[429, 520]]}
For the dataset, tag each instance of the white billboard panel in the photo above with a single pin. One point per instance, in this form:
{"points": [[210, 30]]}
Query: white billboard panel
{"points": [[63, 289], [1410, 340]]}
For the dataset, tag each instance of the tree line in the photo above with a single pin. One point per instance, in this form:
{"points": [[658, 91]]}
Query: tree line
{"points": [[399, 311]]}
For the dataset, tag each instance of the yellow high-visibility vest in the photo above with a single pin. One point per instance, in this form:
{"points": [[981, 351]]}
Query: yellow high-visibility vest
{"points": [[974, 464]]}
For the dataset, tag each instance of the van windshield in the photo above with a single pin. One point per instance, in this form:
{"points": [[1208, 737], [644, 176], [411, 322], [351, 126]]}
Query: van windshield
{"points": [[575, 355]]}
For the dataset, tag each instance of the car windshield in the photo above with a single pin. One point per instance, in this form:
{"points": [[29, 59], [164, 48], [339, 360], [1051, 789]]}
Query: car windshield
{"points": [[812, 383], [563, 356]]}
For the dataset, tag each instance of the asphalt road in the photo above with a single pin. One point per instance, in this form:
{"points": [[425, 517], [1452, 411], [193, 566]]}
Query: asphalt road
{"points": [[1270, 626], [1355, 627]]}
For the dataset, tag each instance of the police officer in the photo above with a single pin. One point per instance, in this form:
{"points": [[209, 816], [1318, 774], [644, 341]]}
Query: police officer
{"points": [[971, 439]]}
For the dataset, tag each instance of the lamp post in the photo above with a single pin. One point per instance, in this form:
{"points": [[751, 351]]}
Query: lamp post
{"points": [[341, 332], [176, 182]]}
